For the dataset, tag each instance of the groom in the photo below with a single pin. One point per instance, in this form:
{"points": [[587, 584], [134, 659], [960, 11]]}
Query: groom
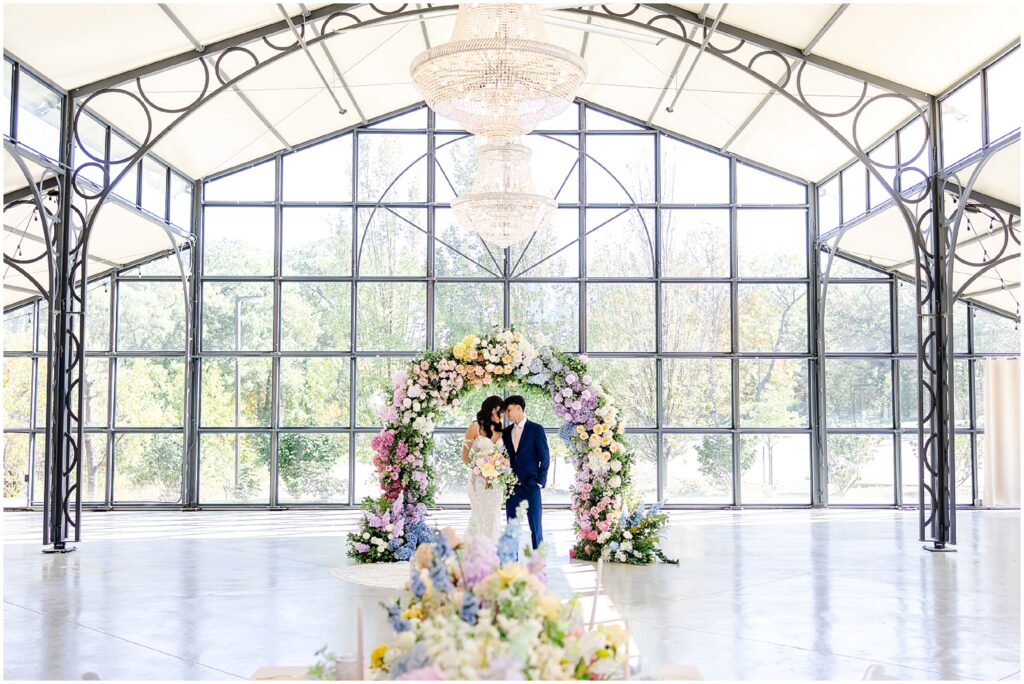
{"points": [[527, 447]]}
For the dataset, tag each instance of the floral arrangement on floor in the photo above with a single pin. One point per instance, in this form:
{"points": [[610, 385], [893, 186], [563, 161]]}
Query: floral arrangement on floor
{"points": [[471, 611], [636, 539], [437, 380], [391, 530]]}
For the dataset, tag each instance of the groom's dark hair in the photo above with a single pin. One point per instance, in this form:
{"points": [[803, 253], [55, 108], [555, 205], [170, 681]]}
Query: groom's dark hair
{"points": [[515, 399]]}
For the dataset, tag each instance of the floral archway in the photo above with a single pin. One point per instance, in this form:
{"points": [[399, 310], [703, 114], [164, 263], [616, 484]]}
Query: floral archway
{"points": [[607, 520]]}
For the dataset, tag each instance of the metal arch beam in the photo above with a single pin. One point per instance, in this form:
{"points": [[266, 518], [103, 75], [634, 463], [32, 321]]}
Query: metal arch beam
{"points": [[212, 48], [201, 52], [768, 96], [794, 52]]}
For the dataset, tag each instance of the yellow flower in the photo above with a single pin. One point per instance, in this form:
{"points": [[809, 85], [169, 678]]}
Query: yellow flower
{"points": [[614, 447], [581, 430], [615, 634], [377, 656], [605, 441], [459, 351], [498, 370], [598, 429], [511, 573], [506, 359], [508, 369], [413, 612], [550, 606], [584, 436]]}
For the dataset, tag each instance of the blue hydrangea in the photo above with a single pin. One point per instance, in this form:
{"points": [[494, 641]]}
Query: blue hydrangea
{"points": [[508, 542], [567, 431], [614, 546], [414, 659], [470, 609], [538, 379], [441, 546], [394, 544], [395, 619], [536, 366], [418, 586], [439, 576], [405, 551]]}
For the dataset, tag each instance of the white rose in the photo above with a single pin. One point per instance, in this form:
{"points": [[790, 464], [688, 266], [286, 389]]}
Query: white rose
{"points": [[407, 402], [390, 528], [603, 537], [621, 557], [627, 534], [415, 391], [614, 481], [637, 554], [377, 540], [616, 466], [366, 535], [626, 546], [416, 406]]}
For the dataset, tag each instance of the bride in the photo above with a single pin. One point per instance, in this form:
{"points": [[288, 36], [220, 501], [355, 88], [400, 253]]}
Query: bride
{"points": [[486, 504]]}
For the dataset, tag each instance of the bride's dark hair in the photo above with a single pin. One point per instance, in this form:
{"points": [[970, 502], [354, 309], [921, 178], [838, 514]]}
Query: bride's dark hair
{"points": [[483, 416]]}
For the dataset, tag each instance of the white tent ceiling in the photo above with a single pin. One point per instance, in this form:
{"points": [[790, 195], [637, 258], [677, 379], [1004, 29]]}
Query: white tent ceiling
{"points": [[921, 46]]}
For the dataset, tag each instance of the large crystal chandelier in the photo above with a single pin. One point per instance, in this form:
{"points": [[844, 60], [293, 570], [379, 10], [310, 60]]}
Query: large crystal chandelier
{"points": [[498, 76], [502, 205]]}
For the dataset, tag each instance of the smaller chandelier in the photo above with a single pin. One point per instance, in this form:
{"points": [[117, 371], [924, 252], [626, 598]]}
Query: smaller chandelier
{"points": [[502, 205], [497, 75]]}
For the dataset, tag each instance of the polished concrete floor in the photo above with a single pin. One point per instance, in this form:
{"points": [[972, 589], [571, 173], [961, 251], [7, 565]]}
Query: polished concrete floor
{"points": [[757, 595]]}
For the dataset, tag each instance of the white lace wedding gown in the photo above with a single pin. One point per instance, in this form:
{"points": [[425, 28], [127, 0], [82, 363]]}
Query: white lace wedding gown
{"points": [[486, 505]]}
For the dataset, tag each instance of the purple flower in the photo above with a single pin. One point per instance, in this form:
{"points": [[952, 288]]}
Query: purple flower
{"points": [[361, 547]]}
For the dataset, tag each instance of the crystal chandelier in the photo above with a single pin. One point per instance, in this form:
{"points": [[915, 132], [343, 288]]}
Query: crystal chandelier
{"points": [[502, 205], [498, 76]]}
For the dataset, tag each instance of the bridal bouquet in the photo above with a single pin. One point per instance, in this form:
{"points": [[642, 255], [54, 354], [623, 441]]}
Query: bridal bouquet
{"points": [[493, 466], [470, 611]]}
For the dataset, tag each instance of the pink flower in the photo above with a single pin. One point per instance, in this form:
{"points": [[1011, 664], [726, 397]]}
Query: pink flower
{"points": [[592, 535], [424, 674], [603, 525]]}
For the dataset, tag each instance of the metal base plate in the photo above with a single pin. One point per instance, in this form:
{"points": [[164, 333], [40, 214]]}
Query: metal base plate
{"points": [[935, 549], [66, 549]]}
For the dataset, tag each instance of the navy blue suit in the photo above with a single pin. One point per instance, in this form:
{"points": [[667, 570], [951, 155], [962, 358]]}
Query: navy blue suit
{"points": [[530, 464]]}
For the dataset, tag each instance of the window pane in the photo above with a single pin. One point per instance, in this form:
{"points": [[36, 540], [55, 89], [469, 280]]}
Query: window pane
{"points": [[859, 393], [147, 467], [754, 186], [181, 202], [908, 393], [695, 243], [600, 121], [913, 140], [695, 317], [607, 303], [772, 317], [97, 375], [631, 385], [150, 316], [316, 316], [366, 483], [94, 468], [644, 448], [698, 469], [776, 469], [373, 385], [127, 187], [456, 160], [238, 241], [844, 268], [255, 184], [163, 266], [18, 329], [697, 392], [236, 392], [8, 81], [415, 119], [316, 241], [392, 168], [828, 206], [39, 116], [961, 389], [237, 316], [562, 473], [860, 469], [960, 333], [314, 392], [961, 122], [1004, 96], [857, 317], [97, 318], [42, 388], [552, 252], [460, 252], [15, 469], [312, 468], [450, 472], [855, 192], [620, 243], [461, 309], [554, 166], [321, 173], [690, 175], [620, 168], [392, 242], [907, 312], [979, 394], [547, 312], [772, 243], [154, 187], [18, 391], [773, 393], [150, 392], [995, 334], [234, 468], [391, 316]]}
